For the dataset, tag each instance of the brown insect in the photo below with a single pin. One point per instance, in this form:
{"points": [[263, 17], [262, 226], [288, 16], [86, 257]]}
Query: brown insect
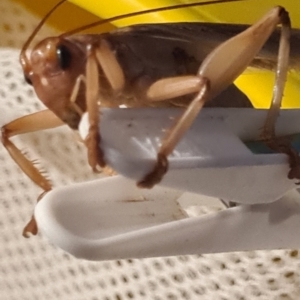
{"points": [[183, 64]]}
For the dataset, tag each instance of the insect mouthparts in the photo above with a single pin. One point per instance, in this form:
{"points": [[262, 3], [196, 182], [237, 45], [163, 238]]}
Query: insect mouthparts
{"points": [[27, 79]]}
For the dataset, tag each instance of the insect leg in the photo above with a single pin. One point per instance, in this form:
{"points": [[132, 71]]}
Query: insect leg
{"points": [[282, 145], [173, 87], [281, 75], [110, 66], [92, 141], [34, 122], [219, 69], [181, 125], [102, 56], [74, 94]]}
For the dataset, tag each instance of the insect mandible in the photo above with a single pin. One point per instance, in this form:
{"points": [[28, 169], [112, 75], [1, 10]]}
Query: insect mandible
{"points": [[188, 65]]}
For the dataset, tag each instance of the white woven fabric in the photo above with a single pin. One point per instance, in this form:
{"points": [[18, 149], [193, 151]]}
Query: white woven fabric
{"points": [[34, 269]]}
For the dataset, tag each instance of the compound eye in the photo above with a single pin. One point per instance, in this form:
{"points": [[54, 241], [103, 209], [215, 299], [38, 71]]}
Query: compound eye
{"points": [[27, 79], [63, 56]]}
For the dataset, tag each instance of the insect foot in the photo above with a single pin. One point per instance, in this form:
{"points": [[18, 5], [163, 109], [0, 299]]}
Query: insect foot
{"points": [[154, 177], [31, 227], [294, 162], [283, 145], [95, 154]]}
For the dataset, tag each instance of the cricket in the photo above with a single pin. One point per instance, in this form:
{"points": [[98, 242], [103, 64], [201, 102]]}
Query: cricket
{"points": [[189, 65]]}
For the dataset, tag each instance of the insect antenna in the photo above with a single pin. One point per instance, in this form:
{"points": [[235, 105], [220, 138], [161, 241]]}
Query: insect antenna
{"points": [[144, 12], [23, 58]]}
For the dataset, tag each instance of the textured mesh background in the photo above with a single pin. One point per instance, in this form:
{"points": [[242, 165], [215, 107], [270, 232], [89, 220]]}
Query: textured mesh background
{"points": [[34, 269]]}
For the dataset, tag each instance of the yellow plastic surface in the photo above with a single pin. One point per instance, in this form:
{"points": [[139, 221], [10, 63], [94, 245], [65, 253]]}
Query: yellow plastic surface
{"points": [[68, 16], [246, 11]]}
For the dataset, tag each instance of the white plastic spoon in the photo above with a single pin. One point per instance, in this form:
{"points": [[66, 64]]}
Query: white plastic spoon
{"points": [[112, 219]]}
